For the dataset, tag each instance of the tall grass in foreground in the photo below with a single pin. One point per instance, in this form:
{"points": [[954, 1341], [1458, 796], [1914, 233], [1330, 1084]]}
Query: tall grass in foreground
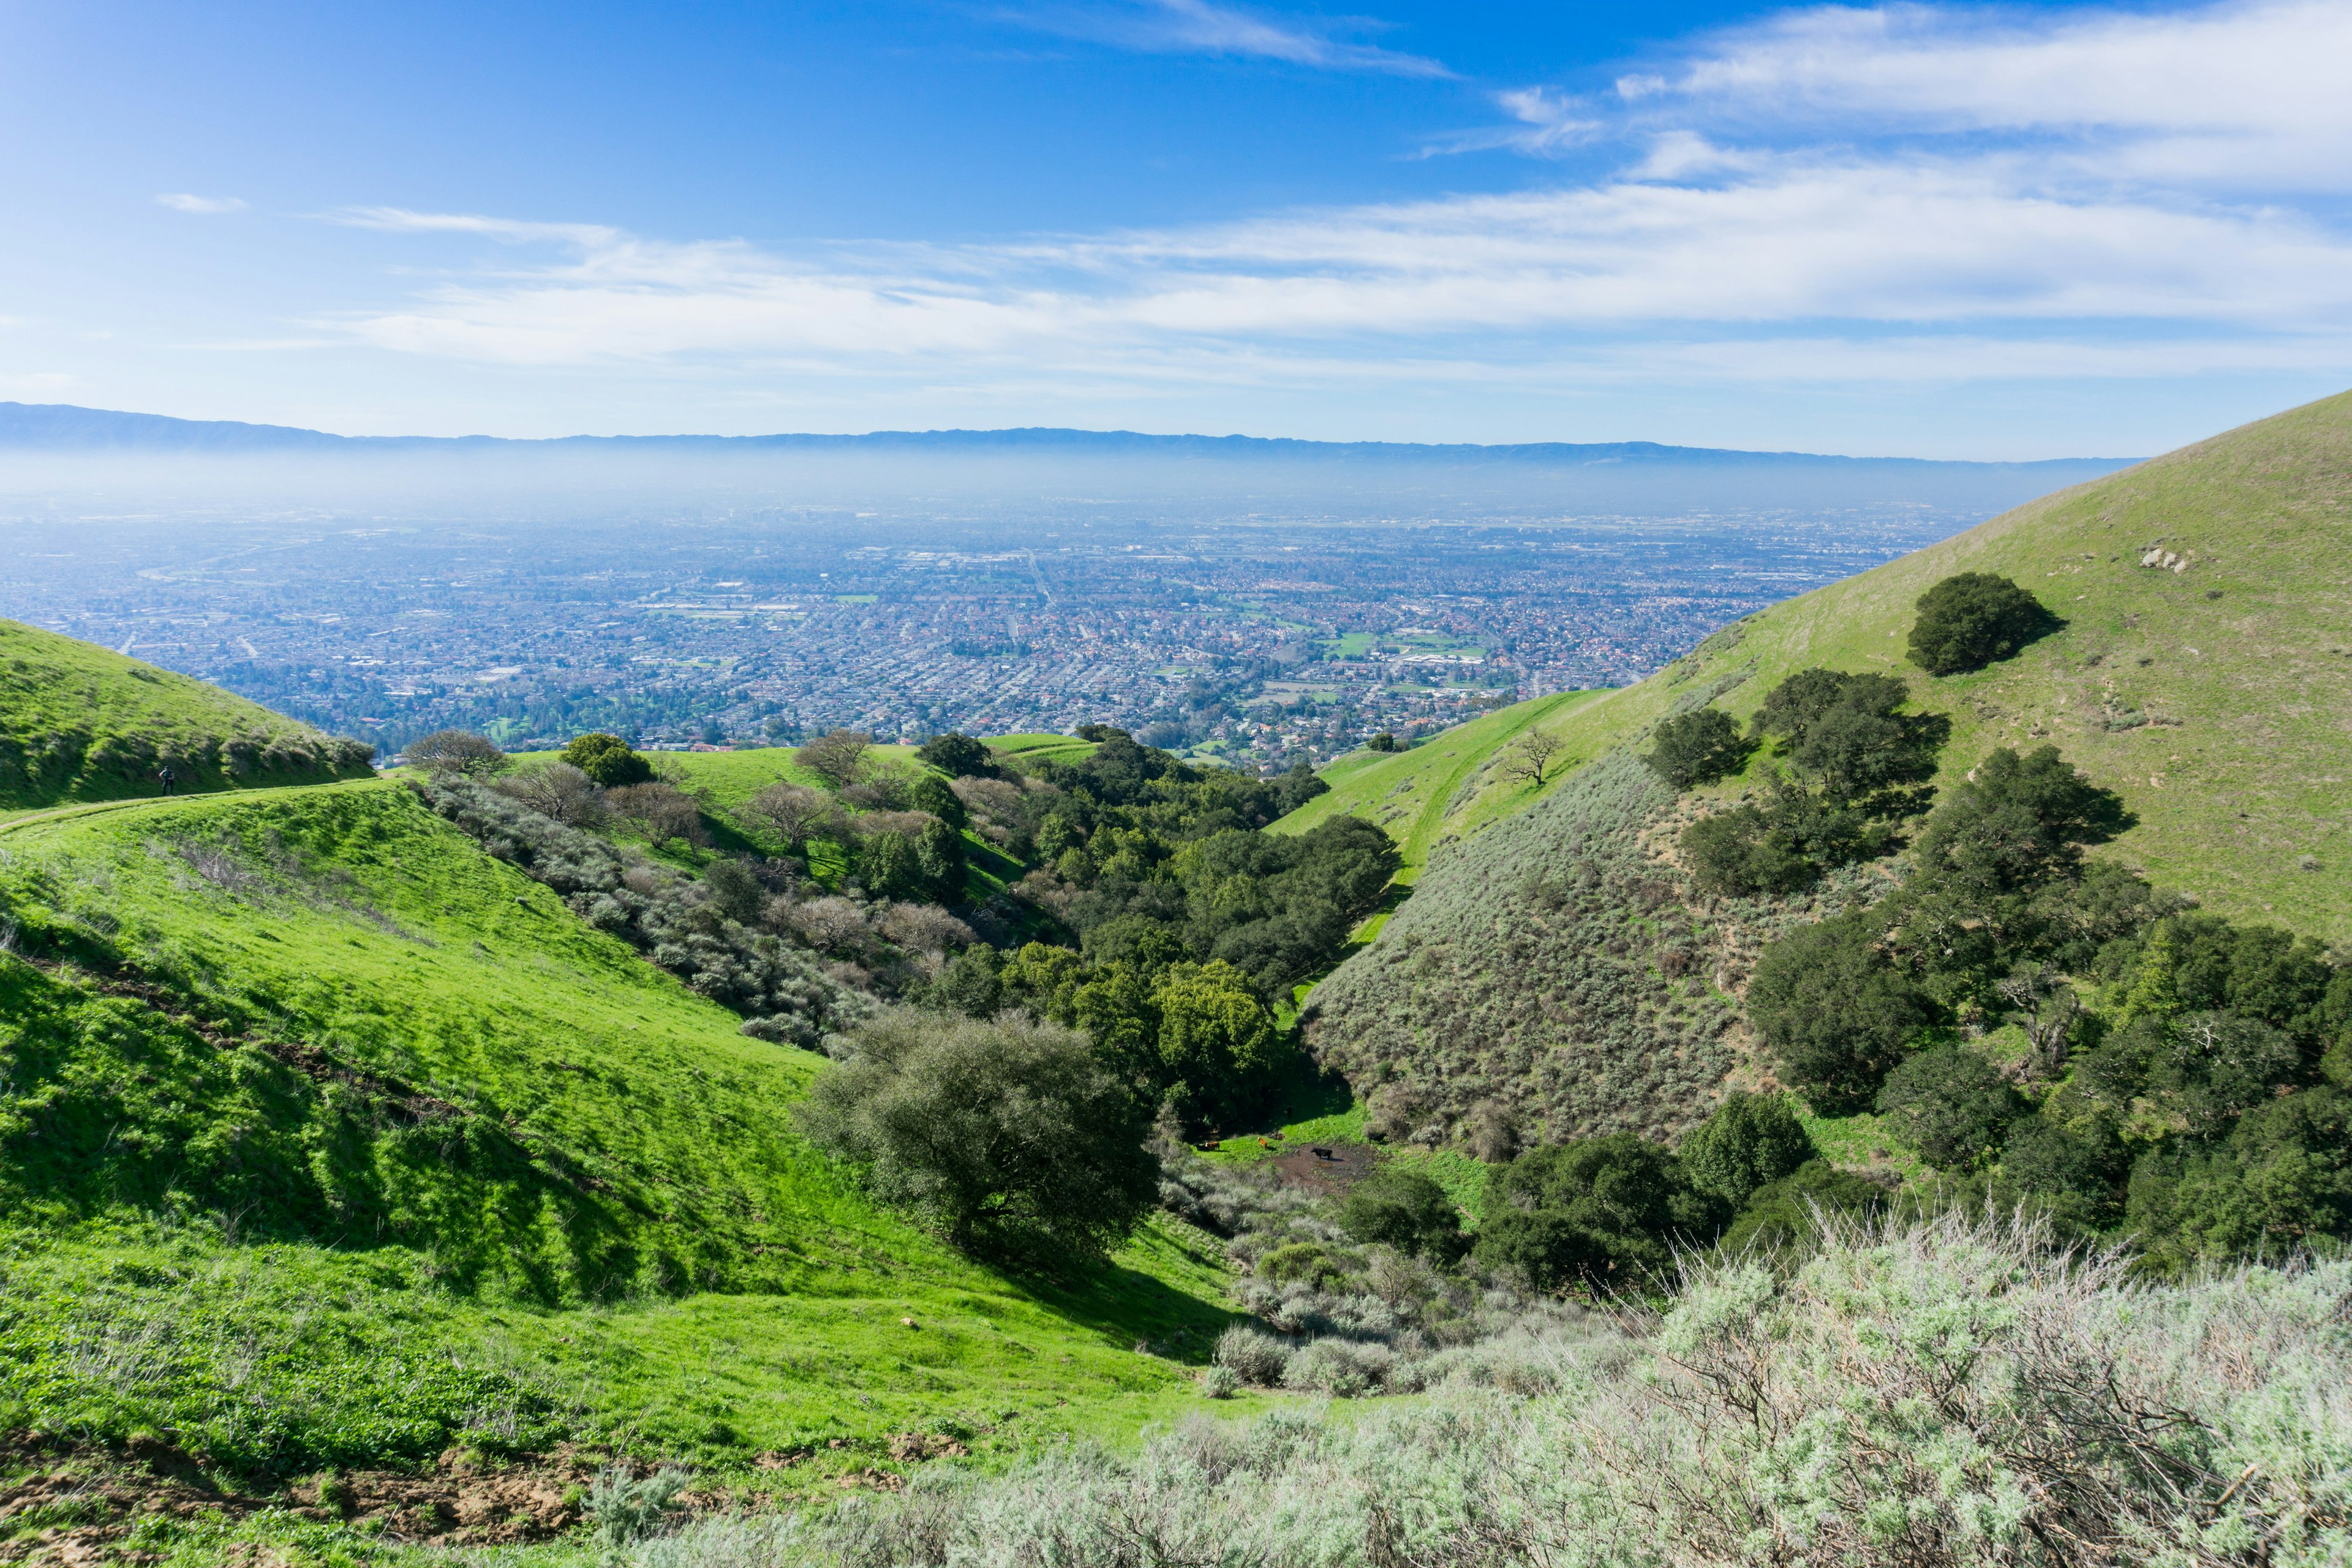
{"points": [[1948, 1392]]}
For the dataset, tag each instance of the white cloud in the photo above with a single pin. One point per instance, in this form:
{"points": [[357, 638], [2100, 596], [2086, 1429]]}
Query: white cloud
{"points": [[1839, 194], [1197, 27], [1829, 242], [2252, 95], [208, 206], [400, 220]]}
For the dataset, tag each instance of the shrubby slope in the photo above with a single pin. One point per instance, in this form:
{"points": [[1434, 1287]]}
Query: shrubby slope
{"points": [[1555, 968], [78, 722], [1550, 979], [1953, 1393]]}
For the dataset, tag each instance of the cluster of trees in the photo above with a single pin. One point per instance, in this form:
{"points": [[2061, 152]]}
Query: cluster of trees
{"points": [[1852, 766], [1848, 764], [1146, 860], [1610, 1212], [2166, 1074]]}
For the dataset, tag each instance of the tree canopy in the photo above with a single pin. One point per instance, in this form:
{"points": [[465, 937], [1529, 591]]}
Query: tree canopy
{"points": [[1008, 1136], [1973, 619], [608, 760]]}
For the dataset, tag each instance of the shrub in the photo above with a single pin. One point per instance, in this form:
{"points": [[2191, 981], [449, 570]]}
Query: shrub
{"points": [[1255, 1357], [1527, 968], [663, 913], [1403, 1209], [969, 985], [2016, 823], [1344, 1369], [607, 759], [1220, 1382], [1968, 621], [1698, 747], [1750, 1142], [931, 793], [626, 1509], [1788, 1214], [1600, 1211], [1834, 1012], [1004, 1135], [460, 752], [1934, 1395], [1950, 1105], [1304, 1262]]}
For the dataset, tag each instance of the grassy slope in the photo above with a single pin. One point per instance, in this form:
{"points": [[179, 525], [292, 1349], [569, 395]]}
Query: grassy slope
{"points": [[2231, 798], [1410, 793], [79, 722], [399, 948]]}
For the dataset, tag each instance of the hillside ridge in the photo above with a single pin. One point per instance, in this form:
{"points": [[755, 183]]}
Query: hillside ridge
{"points": [[2210, 697], [68, 427], [79, 722]]}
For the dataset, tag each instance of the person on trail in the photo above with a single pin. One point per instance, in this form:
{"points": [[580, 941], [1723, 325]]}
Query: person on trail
{"points": [[165, 776]]}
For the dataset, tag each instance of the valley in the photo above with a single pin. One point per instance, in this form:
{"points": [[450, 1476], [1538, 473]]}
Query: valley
{"points": [[1013, 1148]]}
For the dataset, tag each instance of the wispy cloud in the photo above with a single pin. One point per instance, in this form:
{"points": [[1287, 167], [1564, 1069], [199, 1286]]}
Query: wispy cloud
{"points": [[1841, 193], [2248, 94], [400, 220], [1196, 26], [180, 201]]}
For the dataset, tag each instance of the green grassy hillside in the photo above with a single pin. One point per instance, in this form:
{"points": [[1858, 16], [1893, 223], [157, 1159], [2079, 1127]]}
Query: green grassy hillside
{"points": [[1417, 794], [2216, 699], [301, 1079], [77, 724]]}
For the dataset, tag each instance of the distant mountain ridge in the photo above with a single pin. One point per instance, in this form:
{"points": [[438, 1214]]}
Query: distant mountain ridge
{"points": [[65, 428]]}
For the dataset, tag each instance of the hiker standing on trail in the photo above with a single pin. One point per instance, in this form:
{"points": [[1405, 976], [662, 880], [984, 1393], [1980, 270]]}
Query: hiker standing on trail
{"points": [[165, 776]]}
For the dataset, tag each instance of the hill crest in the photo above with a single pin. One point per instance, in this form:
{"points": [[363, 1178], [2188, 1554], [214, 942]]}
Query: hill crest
{"points": [[79, 722]]}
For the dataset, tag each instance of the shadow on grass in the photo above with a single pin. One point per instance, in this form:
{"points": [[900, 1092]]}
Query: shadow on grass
{"points": [[1131, 1306]]}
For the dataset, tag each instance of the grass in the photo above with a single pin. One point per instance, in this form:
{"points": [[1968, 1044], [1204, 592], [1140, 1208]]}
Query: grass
{"points": [[1416, 795], [1043, 748], [2211, 699], [611, 1198], [80, 723]]}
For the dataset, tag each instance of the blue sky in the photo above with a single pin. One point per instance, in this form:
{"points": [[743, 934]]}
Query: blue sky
{"points": [[2027, 231]]}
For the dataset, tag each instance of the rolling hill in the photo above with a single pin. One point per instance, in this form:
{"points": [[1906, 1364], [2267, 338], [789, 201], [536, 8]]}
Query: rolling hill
{"points": [[80, 723], [2204, 672], [299, 1081]]}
